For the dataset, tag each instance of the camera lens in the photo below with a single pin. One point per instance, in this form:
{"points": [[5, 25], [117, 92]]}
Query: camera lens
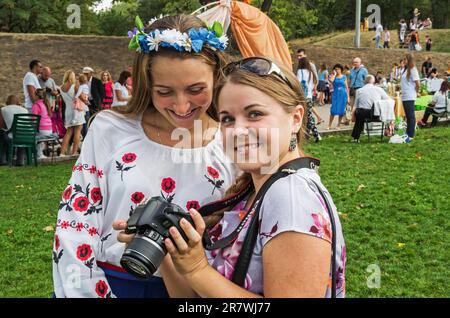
{"points": [[142, 257]]}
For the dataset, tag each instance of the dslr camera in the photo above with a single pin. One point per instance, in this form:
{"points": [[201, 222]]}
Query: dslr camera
{"points": [[151, 222]]}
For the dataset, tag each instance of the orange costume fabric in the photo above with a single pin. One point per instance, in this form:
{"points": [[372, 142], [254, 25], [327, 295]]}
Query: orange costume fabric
{"points": [[257, 35]]}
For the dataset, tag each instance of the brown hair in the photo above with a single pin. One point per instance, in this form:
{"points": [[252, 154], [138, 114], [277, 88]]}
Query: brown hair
{"points": [[410, 64], [445, 86], [305, 64], [272, 85], [108, 74], [82, 79], [40, 92], [12, 100], [142, 65], [123, 77]]}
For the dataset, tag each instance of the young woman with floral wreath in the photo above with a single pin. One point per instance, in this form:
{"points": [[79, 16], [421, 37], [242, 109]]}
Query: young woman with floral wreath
{"points": [[134, 154], [298, 223]]}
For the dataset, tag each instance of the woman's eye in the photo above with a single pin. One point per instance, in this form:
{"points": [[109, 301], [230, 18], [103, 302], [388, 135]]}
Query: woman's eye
{"points": [[226, 120], [254, 115], [196, 90], [164, 93]]}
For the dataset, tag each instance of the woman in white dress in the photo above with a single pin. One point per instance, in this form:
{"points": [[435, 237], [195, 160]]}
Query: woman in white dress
{"points": [[74, 119], [135, 154]]}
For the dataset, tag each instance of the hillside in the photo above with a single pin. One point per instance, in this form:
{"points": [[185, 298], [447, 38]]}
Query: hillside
{"points": [[60, 53], [64, 52]]}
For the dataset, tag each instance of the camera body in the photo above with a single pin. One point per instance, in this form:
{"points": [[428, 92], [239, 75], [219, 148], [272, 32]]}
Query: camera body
{"points": [[151, 222]]}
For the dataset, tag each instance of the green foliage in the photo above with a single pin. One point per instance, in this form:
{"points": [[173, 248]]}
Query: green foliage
{"points": [[119, 19]]}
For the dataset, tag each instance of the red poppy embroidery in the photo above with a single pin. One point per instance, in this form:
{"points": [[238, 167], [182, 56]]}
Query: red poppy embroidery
{"points": [[84, 252], [168, 185], [213, 172], [57, 243], [67, 193], [192, 205], [129, 157], [101, 288], [137, 197], [96, 195], [64, 225], [126, 159], [215, 179], [92, 231], [81, 204], [57, 255], [79, 226]]}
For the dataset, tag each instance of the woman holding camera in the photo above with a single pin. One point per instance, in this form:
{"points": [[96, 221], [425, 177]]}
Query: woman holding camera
{"points": [[165, 143], [298, 224]]}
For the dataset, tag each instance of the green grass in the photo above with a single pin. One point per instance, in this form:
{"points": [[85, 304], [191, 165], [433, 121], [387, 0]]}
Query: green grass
{"points": [[387, 194]]}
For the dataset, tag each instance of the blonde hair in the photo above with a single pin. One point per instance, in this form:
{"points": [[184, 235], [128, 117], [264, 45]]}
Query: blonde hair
{"points": [[273, 86], [142, 65], [69, 76], [82, 79], [108, 74]]}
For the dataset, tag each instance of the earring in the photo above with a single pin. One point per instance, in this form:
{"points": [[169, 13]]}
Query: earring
{"points": [[293, 143]]}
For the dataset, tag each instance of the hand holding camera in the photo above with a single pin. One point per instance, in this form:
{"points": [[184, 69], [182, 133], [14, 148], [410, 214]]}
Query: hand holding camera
{"points": [[161, 227]]}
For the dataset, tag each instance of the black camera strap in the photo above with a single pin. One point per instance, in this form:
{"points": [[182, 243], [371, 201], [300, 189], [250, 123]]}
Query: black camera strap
{"points": [[243, 262], [283, 171]]}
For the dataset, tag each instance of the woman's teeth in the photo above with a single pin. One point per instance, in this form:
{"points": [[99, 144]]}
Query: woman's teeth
{"points": [[246, 148]]}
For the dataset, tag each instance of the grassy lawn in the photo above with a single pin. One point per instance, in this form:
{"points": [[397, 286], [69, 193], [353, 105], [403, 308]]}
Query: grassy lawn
{"points": [[393, 199]]}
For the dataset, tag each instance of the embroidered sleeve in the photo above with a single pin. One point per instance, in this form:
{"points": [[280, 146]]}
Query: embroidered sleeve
{"points": [[79, 238]]}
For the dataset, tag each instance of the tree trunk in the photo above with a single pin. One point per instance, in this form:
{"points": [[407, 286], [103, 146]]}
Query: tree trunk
{"points": [[265, 7]]}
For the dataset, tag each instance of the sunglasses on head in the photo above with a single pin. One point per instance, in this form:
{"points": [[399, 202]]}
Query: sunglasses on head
{"points": [[259, 66]]}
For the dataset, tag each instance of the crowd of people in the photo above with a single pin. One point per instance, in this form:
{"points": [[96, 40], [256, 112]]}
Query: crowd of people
{"points": [[408, 33], [339, 87], [65, 109]]}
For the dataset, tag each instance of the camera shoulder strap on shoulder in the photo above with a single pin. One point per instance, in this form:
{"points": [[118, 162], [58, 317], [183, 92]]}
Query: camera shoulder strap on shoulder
{"points": [[246, 253]]}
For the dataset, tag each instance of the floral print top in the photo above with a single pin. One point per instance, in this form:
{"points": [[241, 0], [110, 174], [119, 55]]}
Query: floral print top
{"points": [[293, 204], [118, 168]]}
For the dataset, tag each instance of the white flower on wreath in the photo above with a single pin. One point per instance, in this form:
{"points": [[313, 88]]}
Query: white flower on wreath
{"points": [[186, 42], [172, 36], [154, 41], [224, 40]]}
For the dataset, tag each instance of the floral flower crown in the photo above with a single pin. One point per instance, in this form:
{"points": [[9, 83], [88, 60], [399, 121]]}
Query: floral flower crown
{"points": [[194, 40]]}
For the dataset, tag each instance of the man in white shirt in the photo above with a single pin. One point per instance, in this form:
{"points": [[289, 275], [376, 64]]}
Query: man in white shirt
{"points": [[6, 120], [364, 103], [31, 84], [434, 82], [378, 33]]}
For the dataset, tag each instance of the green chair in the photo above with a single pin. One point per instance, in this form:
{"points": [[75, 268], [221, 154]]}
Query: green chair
{"points": [[24, 130]]}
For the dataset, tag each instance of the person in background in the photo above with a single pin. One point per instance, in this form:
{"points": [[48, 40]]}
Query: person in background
{"points": [[308, 81], [340, 95], [7, 113], [427, 66], [428, 43], [96, 95], [439, 104], [43, 108], [433, 81], [364, 101], [357, 77], [387, 38], [322, 86], [48, 83], [410, 86], [120, 92], [403, 27], [31, 84], [301, 53], [108, 85], [129, 83], [378, 33], [414, 43], [73, 119]]}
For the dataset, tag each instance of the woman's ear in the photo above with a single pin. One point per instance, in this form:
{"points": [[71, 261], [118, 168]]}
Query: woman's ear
{"points": [[297, 115]]}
